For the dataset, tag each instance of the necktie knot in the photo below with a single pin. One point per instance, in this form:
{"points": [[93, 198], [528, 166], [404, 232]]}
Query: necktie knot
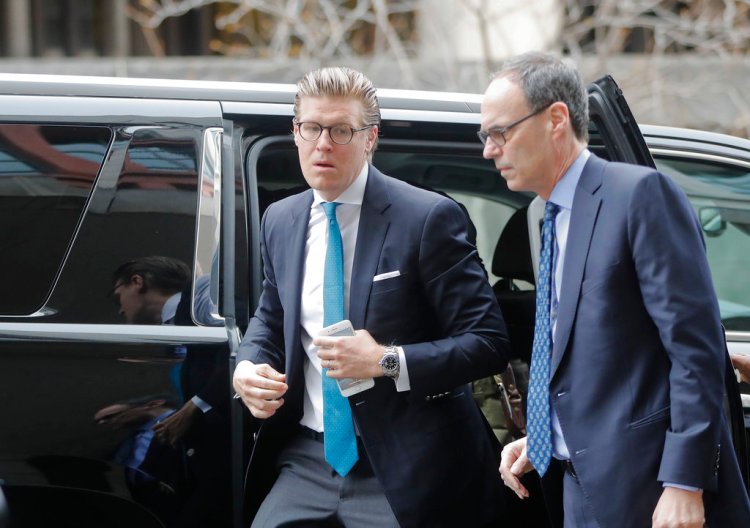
{"points": [[330, 210], [550, 211]]}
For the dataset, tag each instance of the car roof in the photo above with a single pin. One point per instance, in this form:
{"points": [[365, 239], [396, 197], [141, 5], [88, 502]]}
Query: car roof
{"points": [[91, 86], [662, 138], [666, 140]]}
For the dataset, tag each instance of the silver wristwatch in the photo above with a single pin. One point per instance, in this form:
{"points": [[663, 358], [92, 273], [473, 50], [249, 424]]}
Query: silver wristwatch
{"points": [[390, 362]]}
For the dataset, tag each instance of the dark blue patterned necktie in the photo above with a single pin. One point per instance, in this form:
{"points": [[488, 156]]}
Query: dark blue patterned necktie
{"points": [[539, 440], [339, 439]]}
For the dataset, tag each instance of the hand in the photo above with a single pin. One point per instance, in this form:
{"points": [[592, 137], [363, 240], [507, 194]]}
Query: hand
{"points": [[514, 464], [742, 363], [260, 387], [174, 427], [354, 356], [678, 507]]}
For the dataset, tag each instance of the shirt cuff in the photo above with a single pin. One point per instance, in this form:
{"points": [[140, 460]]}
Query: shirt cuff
{"points": [[402, 381], [681, 486]]}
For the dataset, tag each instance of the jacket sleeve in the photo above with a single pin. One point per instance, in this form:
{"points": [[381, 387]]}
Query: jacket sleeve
{"points": [[455, 283], [263, 341], [675, 282]]}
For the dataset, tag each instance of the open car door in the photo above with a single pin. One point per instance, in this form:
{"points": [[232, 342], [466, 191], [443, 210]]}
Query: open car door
{"points": [[613, 133]]}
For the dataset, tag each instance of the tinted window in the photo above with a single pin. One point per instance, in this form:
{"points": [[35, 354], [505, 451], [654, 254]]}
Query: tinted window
{"points": [[720, 194], [457, 172], [46, 175], [144, 204]]}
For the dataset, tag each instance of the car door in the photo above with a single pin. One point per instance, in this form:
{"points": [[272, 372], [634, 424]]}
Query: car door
{"points": [[88, 184], [615, 135]]}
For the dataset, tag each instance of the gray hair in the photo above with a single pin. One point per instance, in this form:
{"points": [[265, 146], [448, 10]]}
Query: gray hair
{"points": [[340, 81], [547, 79]]}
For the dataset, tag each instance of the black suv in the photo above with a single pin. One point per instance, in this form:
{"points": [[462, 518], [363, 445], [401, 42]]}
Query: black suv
{"points": [[95, 173]]}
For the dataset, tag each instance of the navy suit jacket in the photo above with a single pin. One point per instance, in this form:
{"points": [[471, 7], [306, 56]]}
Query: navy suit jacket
{"points": [[430, 447], [638, 362]]}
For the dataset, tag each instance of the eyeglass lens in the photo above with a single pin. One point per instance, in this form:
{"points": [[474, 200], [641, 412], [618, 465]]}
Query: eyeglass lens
{"points": [[340, 134]]}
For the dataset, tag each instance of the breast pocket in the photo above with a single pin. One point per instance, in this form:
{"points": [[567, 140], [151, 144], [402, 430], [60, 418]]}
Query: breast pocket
{"points": [[600, 278], [390, 284]]}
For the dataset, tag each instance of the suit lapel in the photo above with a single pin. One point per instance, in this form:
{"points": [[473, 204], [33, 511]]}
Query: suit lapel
{"points": [[373, 226], [586, 205], [291, 283]]}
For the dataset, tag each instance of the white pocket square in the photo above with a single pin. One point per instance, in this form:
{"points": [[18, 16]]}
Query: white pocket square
{"points": [[384, 276]]}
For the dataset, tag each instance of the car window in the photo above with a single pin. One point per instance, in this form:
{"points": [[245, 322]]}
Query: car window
{"points": [[144, 204], [461, 175], [46, 176], [720, 194]]}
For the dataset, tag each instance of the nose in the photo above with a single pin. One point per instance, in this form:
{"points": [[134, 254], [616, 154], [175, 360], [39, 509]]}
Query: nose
{"points": [[324, 141], [491, 150]]}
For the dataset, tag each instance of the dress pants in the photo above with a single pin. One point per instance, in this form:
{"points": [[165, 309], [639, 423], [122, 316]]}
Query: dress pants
{"points": [[308, 492]]}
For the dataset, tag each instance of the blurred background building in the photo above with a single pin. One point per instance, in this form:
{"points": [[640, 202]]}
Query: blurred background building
{"points": [[680, 63]]}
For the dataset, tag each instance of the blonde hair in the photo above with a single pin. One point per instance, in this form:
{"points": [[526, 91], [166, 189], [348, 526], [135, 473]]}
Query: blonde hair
{"points": [[340, 81]]}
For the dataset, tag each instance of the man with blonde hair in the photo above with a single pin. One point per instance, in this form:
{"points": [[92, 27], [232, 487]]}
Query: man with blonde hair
{"points": [[412, 450]]}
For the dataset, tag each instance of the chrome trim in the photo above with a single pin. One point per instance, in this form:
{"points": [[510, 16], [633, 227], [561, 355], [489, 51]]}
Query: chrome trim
{"points": [[699, 155], [257, 109], [387, 114], [430, 116], [738, 337], [208, 226], [109, 333]]}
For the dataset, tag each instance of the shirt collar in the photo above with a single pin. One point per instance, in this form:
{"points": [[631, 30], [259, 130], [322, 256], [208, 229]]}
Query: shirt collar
{"points": [[565, 189], [169, 310], [354, 194]]}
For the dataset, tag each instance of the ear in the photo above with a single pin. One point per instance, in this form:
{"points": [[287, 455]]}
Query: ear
{"points": [[294, 132], [372, 135], [139, 282], [559, 117]]}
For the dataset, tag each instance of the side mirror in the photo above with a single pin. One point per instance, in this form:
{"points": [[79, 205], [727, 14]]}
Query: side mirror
{"points": [[712, 222]]}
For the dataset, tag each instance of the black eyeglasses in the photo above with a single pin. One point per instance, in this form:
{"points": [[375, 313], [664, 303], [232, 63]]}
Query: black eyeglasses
{"points": [[498, 134], [339, 134]]}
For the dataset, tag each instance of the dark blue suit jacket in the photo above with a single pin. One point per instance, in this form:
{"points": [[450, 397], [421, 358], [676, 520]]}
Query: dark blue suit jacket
{"points": [[637, 372], [430, 447]]}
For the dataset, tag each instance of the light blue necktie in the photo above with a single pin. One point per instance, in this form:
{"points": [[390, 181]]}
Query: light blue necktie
{"points": [[339, 439], [539, 439]]}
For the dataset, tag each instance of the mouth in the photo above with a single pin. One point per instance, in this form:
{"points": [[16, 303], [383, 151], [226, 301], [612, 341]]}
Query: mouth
{"points": [[323, 165]]}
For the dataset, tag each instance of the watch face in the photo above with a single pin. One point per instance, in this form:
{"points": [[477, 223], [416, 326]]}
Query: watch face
{"points": [[390, 362]]}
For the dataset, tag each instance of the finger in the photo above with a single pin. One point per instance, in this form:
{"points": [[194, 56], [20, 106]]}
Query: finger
{"points": [[260, 394], [265, 409], [337, 374], [324, 342], [259, 382], [520, 465], [327, 353], [269, 372], [513, 483]]}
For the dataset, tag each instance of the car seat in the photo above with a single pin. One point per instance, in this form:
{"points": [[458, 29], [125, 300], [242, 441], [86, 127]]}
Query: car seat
{"points": [[515, 288]]}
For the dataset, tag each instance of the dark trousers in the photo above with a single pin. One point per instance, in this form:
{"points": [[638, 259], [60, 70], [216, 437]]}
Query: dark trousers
{"points": [[309, 493]]}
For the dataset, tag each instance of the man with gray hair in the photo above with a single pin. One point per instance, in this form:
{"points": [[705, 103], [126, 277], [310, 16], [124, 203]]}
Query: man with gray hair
{"points": [[413, 449], [625, 419]]}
